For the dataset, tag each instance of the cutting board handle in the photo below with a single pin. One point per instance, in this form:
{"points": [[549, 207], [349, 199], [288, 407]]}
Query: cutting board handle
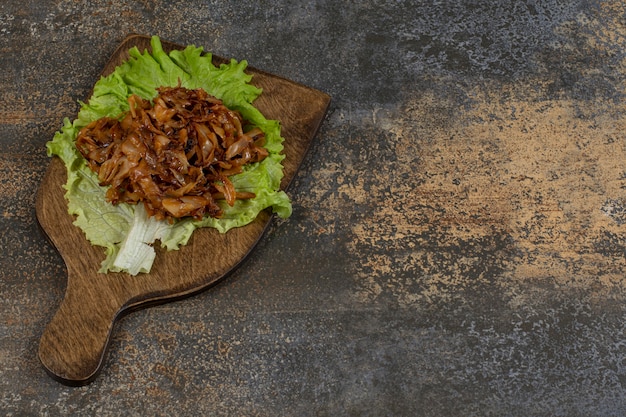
{"points": [[73, 345]]}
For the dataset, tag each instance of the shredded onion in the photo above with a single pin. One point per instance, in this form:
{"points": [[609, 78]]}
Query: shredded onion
{"points": [[174, 155]]}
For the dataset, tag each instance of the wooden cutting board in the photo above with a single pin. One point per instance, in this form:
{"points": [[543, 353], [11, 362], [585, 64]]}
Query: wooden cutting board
{"points": [[73, 345]]}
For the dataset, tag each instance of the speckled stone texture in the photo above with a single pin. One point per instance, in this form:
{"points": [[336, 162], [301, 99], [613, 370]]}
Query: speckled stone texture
{"points": [[458, 237]]}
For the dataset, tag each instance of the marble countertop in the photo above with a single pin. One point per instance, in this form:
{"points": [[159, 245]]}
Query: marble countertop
{"points": [[457, 244]]}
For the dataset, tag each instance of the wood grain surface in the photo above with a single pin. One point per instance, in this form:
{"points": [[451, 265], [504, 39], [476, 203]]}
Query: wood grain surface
{"points": [[73, 345]]}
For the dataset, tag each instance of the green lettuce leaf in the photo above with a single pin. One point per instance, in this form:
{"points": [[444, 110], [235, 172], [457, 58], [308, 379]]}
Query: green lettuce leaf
{"points": [[125, 231]]}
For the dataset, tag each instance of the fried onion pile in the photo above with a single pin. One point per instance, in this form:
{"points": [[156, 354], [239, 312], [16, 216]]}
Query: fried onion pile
{"points": [[173, 154]]}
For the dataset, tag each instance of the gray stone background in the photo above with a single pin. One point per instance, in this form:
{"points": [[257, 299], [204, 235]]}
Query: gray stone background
{"points": [[457, 242]]}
